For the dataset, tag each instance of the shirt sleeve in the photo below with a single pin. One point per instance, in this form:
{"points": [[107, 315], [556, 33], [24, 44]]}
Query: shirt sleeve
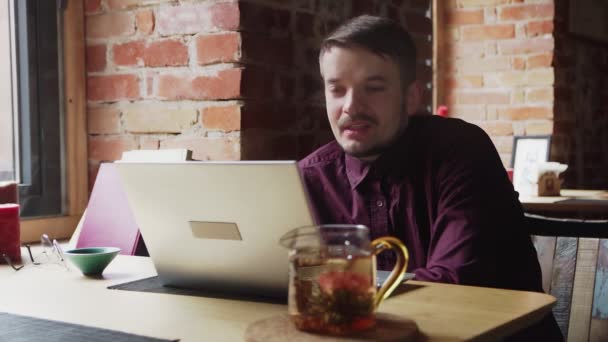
{"points": [[474, 202]]}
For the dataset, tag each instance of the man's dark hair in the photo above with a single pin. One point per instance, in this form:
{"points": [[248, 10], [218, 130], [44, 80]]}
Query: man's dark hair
{"points": [[381, 36]]}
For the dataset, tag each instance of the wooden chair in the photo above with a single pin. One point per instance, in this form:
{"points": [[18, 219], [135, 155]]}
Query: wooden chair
{"points": [[573, 255]]}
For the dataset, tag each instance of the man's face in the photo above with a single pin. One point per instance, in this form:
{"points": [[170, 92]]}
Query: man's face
{"points": [[365, 100]]}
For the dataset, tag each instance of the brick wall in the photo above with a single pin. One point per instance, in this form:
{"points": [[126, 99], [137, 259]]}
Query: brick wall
{"points": [[162, 74], [228, 79], [497, 61], [581, 105]]}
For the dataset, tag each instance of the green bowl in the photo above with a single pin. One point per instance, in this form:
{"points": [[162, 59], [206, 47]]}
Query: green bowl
{"points": [[92, 260]]}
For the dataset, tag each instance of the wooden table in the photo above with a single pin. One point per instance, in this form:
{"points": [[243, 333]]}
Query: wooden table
{"points": [[571, 201], [442, 312]]}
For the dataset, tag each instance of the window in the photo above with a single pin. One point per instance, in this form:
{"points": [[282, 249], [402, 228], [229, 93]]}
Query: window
{"points": [[30, 109]]}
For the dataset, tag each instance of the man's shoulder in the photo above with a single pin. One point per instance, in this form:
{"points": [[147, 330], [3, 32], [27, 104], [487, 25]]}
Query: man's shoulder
{"points": [[327, 154], [448, 133], [445, 127]]}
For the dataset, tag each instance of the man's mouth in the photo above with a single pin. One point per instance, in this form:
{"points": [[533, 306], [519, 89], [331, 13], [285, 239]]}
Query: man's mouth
{"points": [[356, 129]]}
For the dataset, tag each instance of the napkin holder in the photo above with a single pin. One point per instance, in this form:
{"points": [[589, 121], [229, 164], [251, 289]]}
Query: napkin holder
{"points": [[543, 179]]}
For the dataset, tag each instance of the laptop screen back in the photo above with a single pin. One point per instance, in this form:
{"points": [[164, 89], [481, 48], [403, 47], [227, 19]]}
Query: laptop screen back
{"points": [[216, 225]]}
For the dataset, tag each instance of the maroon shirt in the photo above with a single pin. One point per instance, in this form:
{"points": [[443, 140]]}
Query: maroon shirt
{"points": [[441, 189]]}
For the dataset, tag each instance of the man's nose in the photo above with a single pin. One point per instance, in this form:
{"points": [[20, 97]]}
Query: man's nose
{"points": [[352, 102]]}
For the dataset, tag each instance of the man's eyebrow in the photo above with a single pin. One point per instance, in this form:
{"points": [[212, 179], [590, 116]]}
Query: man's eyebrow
{"points": [[332, 80], [379, 78]]}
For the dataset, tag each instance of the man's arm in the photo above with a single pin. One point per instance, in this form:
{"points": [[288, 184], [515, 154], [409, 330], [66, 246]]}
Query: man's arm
{"points": [[477, 213]]}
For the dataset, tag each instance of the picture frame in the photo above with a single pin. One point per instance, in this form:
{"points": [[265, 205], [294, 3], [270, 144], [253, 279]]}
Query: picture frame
{"points": [[528, 151], [589, 19]]}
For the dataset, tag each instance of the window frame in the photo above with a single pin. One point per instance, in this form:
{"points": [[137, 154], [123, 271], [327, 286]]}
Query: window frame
{"points": [[74, 131], [39, 147]]}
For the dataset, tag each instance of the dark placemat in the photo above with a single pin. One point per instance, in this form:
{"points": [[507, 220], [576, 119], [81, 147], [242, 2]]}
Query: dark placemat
{"points": [[153, 284], [17, 328]]}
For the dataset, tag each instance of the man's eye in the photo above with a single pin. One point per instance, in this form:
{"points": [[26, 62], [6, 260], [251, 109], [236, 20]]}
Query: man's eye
{"points": [[373, 89], [336, 90]]}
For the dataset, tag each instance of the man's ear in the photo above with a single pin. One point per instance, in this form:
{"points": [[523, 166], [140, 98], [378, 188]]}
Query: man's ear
{"points": [[413, 95]]}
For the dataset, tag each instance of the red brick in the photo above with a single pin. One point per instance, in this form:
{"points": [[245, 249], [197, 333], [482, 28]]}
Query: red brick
{"points": [[149, 143], [157, 118], [483, 97], [477, 65], [112, 88], [523, 12], [497, 128], [225, 16], [197, 18], [519, 63], [488, 32], [110, 148], [540, 95], [521, 46], [464, 81], [225, 148], [96, 57], [144, 20], [226, 118], [169, 52], [103, 120], [525, 113], [481, 3], [540, 61], [218, 48], [539, 28], [125, 4], [463, 50], [129, 54], [464, 17], [542, 127], [225, 85], [514, 79], [468, 112], [118, 24], [92, 6]]}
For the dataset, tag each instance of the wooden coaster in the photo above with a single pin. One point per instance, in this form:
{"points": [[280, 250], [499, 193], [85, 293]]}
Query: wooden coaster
{"points": [[280, 328]]}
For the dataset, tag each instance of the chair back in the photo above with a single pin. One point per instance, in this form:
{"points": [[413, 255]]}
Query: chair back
{"points": [[573, 255]]}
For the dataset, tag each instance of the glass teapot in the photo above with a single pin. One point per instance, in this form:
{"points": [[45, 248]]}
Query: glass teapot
{"points": [[332, 277]]}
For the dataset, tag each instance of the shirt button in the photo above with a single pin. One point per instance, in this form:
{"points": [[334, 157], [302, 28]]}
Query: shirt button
{"points": [[379, 203]]}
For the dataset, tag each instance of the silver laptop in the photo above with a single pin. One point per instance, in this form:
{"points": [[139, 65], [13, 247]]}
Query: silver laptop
{"points": [[216, 225]]}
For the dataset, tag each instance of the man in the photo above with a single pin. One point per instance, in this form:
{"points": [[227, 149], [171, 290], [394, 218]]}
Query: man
{"points": [[438, 184]]}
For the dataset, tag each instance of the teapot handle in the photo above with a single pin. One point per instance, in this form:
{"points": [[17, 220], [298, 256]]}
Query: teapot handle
{"points": [[380, 245]]}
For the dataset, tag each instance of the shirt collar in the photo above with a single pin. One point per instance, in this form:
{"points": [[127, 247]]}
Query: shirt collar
{"points": [[392, 160], [356, 170]]}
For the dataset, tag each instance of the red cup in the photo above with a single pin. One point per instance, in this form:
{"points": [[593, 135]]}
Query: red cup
{"points": [[10, 243], [9, 192], [510, 173]]}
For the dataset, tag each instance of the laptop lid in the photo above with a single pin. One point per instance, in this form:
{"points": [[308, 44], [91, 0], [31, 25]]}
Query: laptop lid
{"points": [[216, 225]]}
